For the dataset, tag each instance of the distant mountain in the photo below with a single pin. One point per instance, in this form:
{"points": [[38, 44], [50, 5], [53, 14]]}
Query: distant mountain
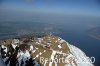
{"points": [[49, 50], [94, 32]]}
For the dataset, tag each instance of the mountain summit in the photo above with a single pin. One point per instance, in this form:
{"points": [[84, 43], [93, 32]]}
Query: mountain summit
{"points": [[43, 51]]}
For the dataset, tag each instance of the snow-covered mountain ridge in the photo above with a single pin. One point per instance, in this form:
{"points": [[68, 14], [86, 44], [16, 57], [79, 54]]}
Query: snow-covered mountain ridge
{"points": [[44, 51]]}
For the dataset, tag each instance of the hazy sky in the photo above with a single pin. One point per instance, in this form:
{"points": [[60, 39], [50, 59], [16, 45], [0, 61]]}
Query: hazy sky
{"points": [[71, 7]]}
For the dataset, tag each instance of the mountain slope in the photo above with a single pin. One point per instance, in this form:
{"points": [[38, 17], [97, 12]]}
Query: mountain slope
{"points": [[44, 51]]}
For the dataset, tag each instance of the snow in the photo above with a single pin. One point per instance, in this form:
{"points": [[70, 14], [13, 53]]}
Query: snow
{"points": [[40, 53], [23, 57], [36, 48], [56, 41], [15, 41], [44, 51], [61, 41], [20, 57], [78, 55], [52, 58], [14, 46], [40, 39], [26, 56], [59, 46], [33, 51], [81, 58], [5, 50], [37, 43], [37, 56], [31, 48]]}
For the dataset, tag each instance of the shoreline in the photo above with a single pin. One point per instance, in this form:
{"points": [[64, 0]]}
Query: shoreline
{"points": [[22, 36], [93, 36]]}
